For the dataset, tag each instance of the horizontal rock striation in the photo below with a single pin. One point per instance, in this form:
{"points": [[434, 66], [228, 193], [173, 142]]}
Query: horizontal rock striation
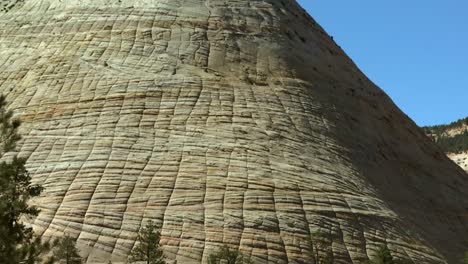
{"points": [[225, 122]]}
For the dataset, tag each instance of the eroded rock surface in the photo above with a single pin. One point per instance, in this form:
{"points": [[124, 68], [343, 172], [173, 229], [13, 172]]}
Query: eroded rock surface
{"points": [[236, 122], [461, 159]]}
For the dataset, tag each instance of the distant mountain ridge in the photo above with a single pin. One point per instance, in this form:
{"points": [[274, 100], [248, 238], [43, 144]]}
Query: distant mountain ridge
{"points": [[453, 139]]}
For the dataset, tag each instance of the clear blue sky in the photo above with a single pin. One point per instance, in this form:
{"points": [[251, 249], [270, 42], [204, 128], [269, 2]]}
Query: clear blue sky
{"points": [[416, 51]]}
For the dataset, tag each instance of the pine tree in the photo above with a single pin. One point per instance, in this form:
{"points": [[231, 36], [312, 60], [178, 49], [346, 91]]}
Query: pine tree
{"points": [[65, 251], [319, 250], [35, 252], [228, 256], [383, 256], [8, 128], [148, 248], [17, 242]]}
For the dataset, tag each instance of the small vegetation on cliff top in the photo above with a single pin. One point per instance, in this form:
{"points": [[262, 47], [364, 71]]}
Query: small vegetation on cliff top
{"points": [[439, 129]]}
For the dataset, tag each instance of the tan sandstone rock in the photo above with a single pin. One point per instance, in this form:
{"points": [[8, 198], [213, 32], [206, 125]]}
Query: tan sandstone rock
{"points": [[460, 158], [237, 122]]}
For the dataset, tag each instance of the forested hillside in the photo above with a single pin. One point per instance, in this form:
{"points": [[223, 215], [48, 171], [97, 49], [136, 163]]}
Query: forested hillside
{"points": [[452, 138]]}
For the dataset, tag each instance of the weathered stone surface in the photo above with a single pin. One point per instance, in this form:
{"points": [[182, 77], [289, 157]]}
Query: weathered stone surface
{"points": [[461, 159], [237, 122]]}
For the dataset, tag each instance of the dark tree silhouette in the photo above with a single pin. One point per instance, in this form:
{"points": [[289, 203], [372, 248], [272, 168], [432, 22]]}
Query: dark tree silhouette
{"points": [[148, 248], [17, 242], [65, 251], [228, 256]]}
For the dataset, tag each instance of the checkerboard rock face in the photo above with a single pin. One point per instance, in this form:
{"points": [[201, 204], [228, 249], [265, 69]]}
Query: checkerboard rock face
{"points": [[225, 122]]}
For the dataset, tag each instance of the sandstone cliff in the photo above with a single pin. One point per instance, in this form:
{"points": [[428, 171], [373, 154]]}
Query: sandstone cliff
{"points": [[453, 139], [460, 158], [225, 122]]}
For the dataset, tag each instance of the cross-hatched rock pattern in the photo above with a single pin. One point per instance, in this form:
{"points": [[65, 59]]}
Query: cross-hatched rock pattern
{"points": [[225, 122]]}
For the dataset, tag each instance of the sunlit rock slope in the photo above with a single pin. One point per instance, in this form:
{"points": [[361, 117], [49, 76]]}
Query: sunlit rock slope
{"points": [[226, 122]]}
